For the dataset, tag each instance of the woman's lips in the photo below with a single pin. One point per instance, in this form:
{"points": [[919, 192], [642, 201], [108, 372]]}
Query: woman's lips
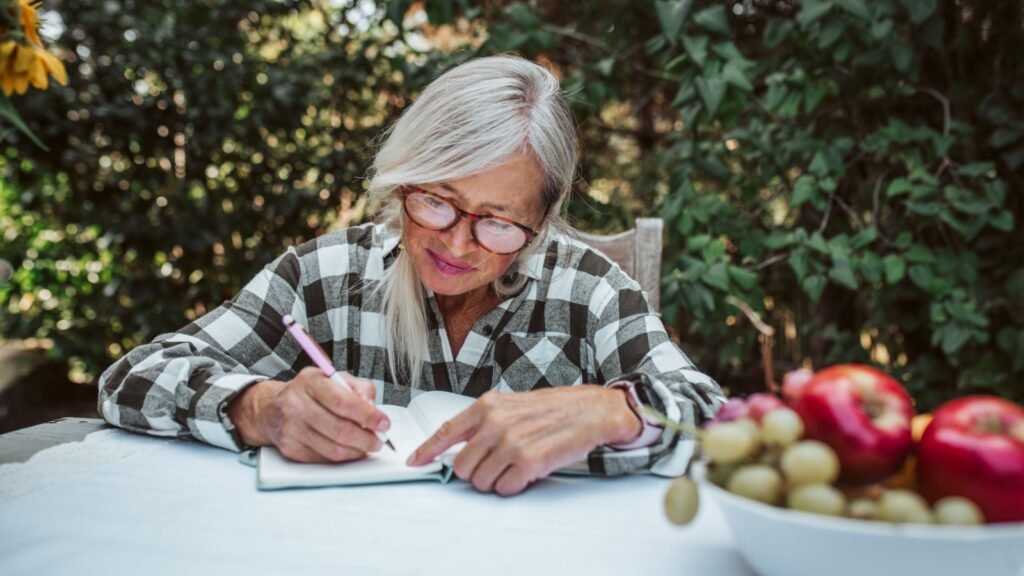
{"points": [[447, 267]]}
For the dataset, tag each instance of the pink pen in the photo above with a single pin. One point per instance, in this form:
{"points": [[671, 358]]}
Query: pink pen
{"points": [[319, 357]]}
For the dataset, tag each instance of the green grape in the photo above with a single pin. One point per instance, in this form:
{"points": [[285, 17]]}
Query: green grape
{"points": [[682, 500], [757, 482], [863, 508], [903, 506], [810, 462], [957, 510], [729, 442], [781, 427], [817, 499]]}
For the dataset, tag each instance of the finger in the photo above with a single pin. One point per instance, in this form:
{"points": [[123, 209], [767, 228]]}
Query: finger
{"points": [[349, 405], [513, 481], [472, 455], [328, 450], [450, 433], [487, 472], [341, 431], [298, 452], [361, 386]]}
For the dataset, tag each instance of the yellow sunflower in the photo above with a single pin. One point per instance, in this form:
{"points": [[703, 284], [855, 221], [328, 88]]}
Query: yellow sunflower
{"points": [[24, 64], [30, 20]]}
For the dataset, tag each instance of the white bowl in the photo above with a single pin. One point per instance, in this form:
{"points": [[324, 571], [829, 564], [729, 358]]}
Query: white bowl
{"points": [[782, 542]]}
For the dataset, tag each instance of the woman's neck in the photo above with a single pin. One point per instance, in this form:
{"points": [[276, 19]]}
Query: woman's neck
{"points": [[471, 305]]}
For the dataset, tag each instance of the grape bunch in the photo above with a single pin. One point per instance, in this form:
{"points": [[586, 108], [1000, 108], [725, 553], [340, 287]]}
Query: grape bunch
{"points": [[760, 453]]}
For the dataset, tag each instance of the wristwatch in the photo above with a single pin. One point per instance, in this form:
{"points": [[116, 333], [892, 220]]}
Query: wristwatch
{"points": [[651, 427]]}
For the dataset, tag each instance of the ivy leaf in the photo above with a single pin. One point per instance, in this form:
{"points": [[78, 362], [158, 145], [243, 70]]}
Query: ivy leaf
{"points": [[713, 19], [895, 269], [920, 10], [717, 276], [671, 16], [697, 48], [711, 91], [954, 337], [811, 12], [776, 31], [814, 286], [923, 277], [745, 279], [856, 7], [799, 261], [871, 267], [817, 242], [804, 190], [902, 55], [842, 274]]}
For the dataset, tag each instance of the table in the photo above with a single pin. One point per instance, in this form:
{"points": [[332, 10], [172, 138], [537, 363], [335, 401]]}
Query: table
{"points": [[116, 502]]}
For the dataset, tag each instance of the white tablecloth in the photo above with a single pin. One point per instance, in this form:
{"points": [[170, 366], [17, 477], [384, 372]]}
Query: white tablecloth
{"points": [[122, 504]]}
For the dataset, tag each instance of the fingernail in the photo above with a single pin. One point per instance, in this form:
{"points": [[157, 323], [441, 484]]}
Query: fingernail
{"points": [[383, 424]]}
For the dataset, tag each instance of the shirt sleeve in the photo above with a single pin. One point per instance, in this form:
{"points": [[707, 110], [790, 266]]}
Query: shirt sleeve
{"points": [[630, 343], [181, 383]]}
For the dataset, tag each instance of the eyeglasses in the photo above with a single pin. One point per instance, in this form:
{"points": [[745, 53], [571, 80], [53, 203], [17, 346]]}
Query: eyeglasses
{"points": [[493, 233]]}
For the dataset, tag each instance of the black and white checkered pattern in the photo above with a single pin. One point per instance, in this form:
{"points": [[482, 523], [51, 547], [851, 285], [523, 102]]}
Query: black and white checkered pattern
{"points": [[578, 320]]}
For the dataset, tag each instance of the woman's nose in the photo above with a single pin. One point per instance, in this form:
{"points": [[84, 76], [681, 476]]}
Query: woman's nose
{"points": [[460, 237]]}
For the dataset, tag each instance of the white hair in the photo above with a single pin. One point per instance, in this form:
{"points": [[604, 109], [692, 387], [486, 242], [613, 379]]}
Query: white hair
{"points": [[475, 117]]}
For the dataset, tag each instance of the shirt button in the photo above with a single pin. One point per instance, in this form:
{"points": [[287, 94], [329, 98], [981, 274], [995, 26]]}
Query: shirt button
{"points": [[488, 330]]}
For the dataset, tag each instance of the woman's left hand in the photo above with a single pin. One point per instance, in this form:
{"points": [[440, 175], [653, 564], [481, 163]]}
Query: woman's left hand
{"points": [[514, 439]]}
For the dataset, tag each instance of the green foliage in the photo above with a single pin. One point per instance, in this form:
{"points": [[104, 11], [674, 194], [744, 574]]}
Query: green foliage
{"points": [[195, 141], [850, 169], [845, 167]]}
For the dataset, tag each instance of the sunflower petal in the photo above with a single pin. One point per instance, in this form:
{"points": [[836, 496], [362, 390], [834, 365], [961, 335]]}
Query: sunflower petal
{"points": [[55, 66]]}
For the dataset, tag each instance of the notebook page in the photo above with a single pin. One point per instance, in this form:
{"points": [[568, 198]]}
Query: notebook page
{"points": [[275, 471]]}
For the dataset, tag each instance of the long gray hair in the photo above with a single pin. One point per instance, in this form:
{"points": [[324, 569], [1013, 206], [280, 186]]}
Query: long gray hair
{"points": [[475, 117]]}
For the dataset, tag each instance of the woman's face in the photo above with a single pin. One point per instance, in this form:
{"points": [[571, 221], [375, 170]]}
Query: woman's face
{"points": [[450, 262]]}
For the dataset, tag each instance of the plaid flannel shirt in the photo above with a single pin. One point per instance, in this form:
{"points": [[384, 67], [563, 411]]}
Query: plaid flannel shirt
{"points": [[579, 320]]}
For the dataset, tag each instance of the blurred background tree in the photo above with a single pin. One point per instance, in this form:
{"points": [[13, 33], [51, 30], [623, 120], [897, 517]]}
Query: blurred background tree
{"points": [[850, 170]]}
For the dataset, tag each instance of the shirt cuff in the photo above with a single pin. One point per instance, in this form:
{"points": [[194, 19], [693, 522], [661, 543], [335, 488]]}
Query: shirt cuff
{"points": [[210, 422], [651, 431]]}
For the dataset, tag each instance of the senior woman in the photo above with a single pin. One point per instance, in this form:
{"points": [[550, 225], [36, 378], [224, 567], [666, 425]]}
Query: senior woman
{"points": [[468, 284]]}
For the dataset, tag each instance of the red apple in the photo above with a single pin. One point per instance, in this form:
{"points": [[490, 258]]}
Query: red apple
{"points": [[974, 448], [793, 383], [863, 414]]}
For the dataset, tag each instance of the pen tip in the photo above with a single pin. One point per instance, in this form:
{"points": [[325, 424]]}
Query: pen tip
{"points": [[390, 445]]}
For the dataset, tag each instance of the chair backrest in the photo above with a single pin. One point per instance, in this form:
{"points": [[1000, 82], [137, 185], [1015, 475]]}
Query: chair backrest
{"points": [[637, 252]]}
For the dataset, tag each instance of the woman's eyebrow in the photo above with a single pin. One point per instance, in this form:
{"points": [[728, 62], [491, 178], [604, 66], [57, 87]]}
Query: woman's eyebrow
{"points": [[487, 206]]}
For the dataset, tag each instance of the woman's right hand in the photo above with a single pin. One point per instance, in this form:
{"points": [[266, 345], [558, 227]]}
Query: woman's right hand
{"points": [[310, 418]]}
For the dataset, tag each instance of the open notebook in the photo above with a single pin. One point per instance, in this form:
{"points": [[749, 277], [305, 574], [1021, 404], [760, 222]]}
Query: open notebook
{"points": [[409, 428]]}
